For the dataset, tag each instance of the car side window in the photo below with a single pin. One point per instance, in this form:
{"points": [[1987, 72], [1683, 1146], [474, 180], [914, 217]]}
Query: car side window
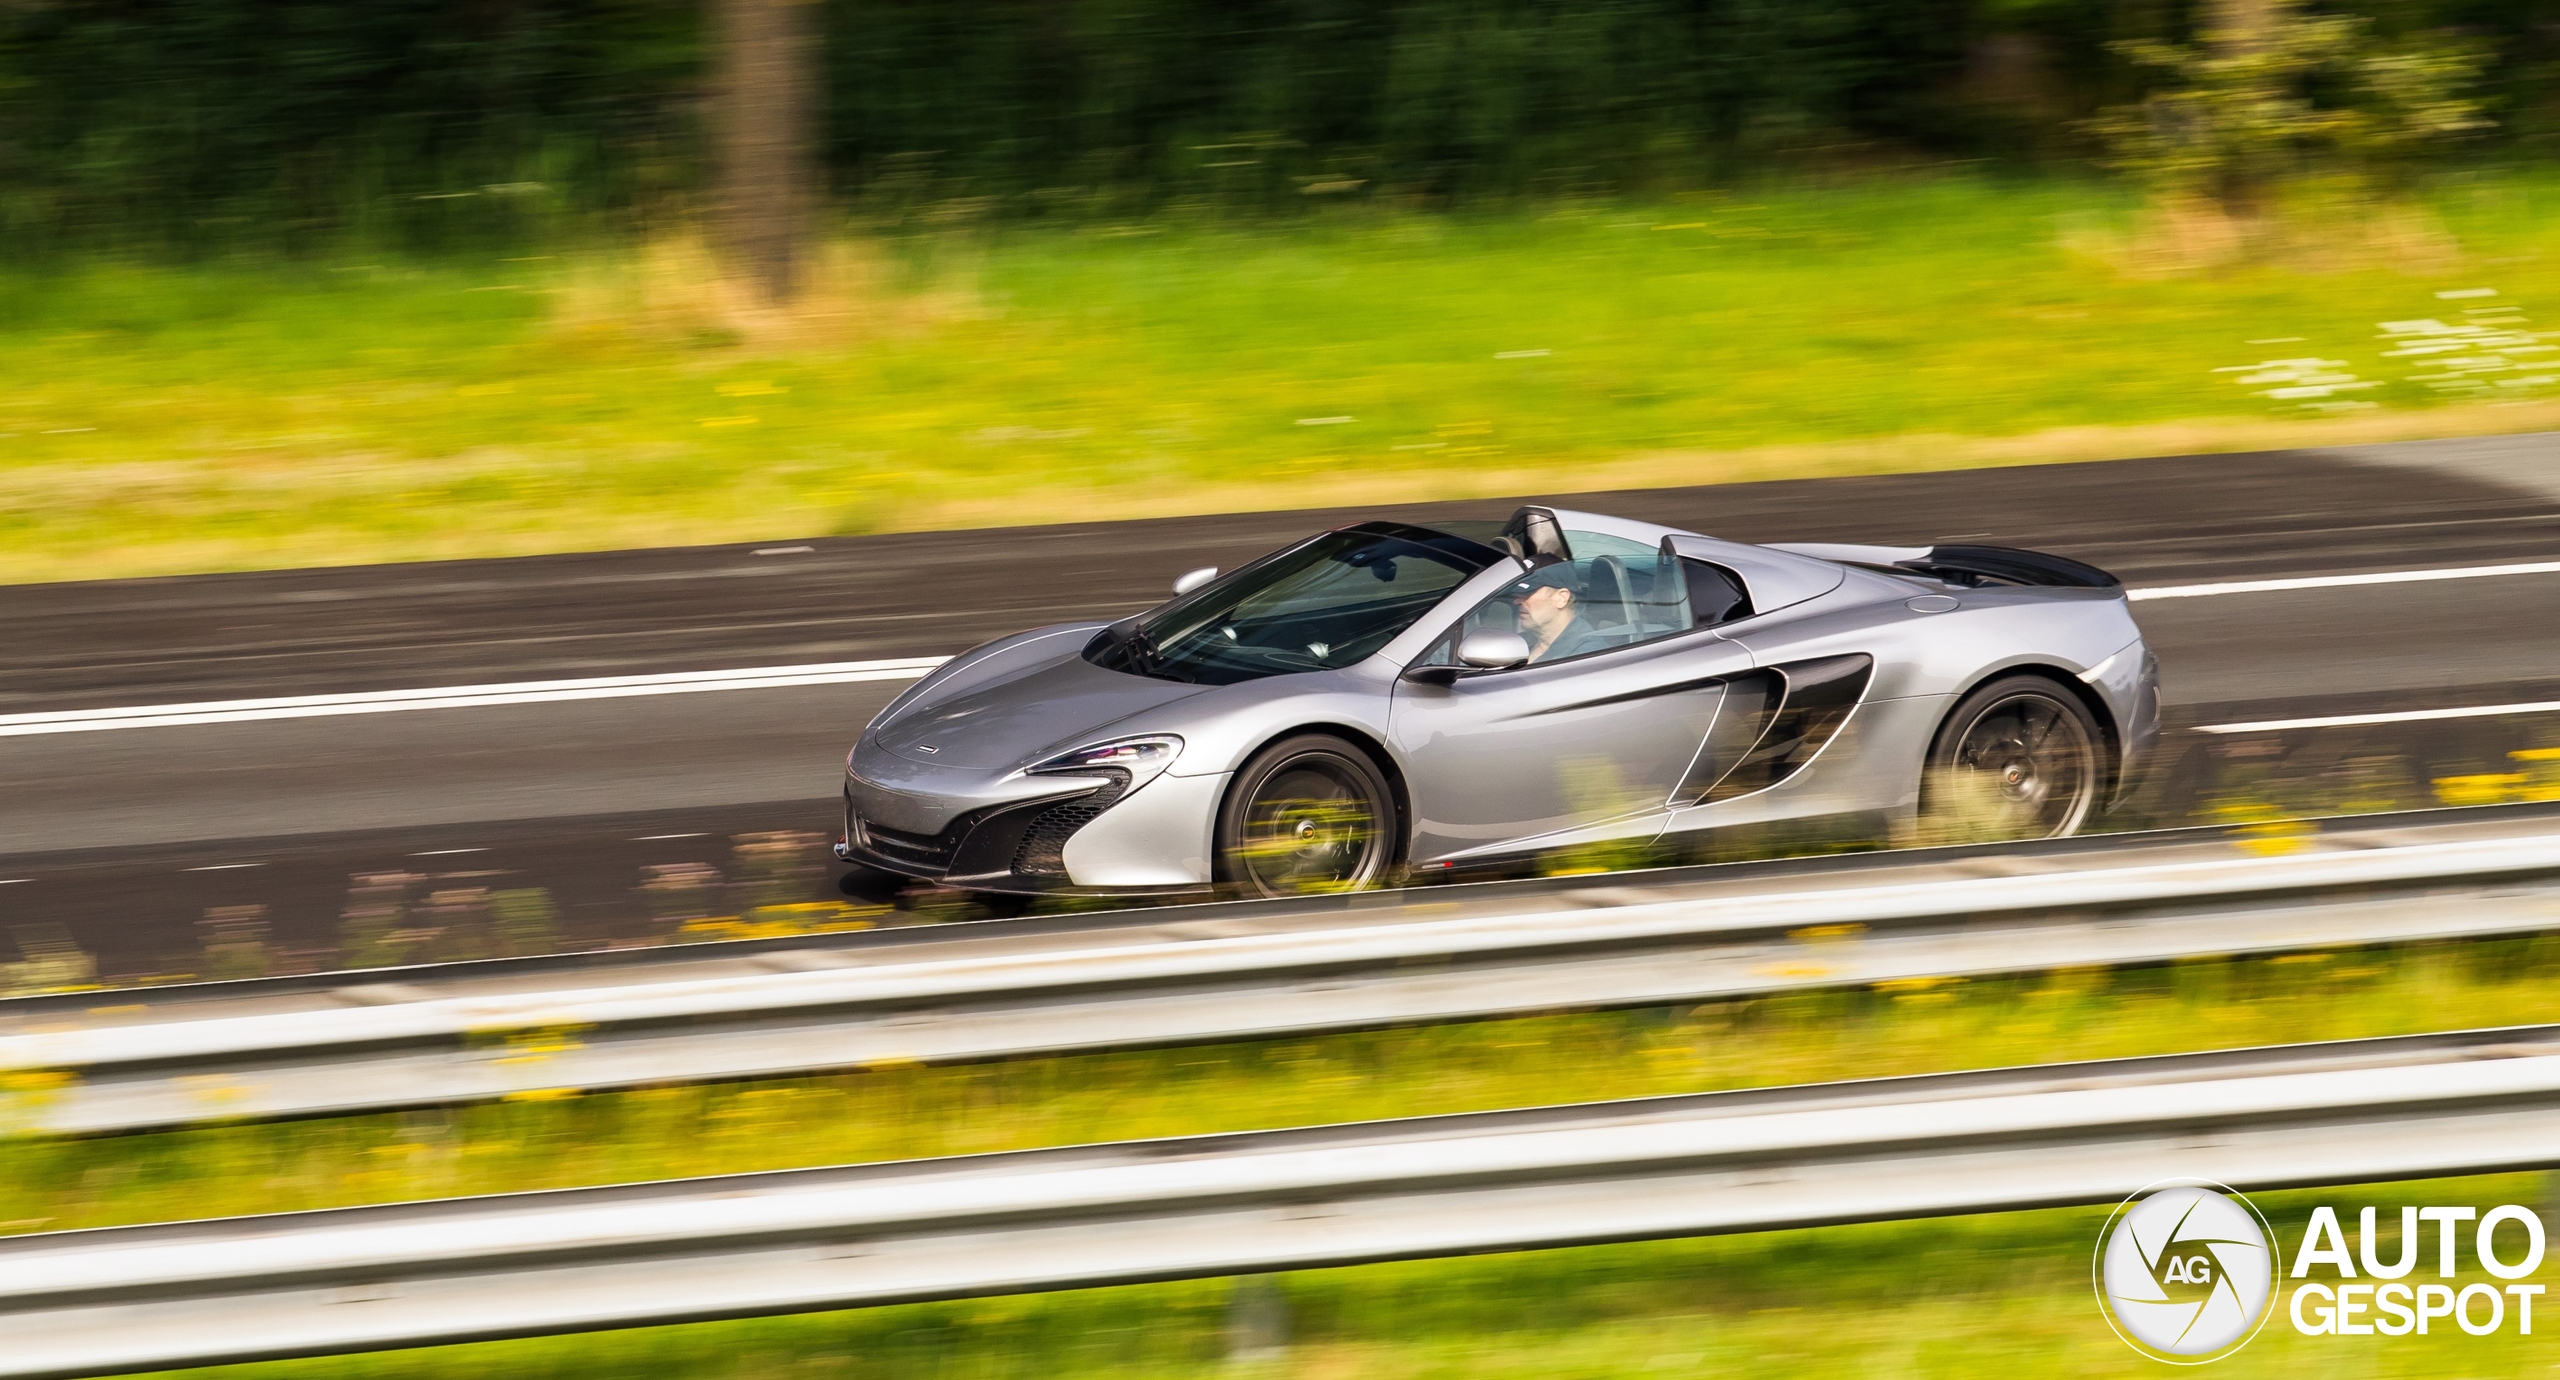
{"points": [[1498, 613], [1626, 592], [1623, 593]]}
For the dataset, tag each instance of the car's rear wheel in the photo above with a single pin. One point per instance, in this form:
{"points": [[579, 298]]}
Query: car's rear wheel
{"points": [[2017, 759], [1307, 815]]}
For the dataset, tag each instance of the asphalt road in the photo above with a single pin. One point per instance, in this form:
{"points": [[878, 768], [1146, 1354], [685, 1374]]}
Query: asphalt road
{"points": [[100, 825]]}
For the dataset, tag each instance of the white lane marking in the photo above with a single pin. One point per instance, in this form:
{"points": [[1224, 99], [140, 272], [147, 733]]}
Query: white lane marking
{"points": [[221, 867], [653, 838], [446, 852], [462, 696], [2475, 711], [2386, 577], [786, 550]]}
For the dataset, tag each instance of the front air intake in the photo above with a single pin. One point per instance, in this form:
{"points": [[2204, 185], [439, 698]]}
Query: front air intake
{"points": [[1044, 844]]}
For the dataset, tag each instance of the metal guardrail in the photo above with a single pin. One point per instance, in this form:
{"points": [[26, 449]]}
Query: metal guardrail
{"points": [[138, 1298], [470, 1032]]}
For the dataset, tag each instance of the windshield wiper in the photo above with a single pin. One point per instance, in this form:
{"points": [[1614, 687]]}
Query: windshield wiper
{"points": [[1147, 657]]}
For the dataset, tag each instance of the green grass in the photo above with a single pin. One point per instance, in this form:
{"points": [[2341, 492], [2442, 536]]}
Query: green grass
{"points": [[914, 1111], [241, 415], [1958, 1297]]}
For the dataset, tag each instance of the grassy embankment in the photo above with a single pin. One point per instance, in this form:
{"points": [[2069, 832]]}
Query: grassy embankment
{"points": [[235, 416], [2008, 1287]]}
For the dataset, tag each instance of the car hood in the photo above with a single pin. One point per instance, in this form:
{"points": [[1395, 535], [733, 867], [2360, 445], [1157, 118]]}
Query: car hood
{"points": [[1011, 721]]}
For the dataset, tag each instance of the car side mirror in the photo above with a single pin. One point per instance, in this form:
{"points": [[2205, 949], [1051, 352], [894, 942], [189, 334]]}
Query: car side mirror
{"points": [[1485, 649], [1491, 649], [1195, 579]]}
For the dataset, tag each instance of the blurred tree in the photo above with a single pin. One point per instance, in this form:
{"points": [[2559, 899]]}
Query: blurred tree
{"points": [[1080, 104], [2272, 90], [201, 125], [442, 125], [767, 93]]}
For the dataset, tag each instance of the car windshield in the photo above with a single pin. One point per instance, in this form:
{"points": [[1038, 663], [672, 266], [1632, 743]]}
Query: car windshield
{"points": [[1326, 603]]}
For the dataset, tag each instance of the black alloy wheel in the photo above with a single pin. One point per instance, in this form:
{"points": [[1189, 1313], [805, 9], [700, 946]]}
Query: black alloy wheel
{"points": [[2017, 759], [1307, 815]]}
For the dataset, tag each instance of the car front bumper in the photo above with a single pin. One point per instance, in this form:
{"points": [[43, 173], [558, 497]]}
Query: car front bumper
{"points": [[1081, 834], [2136, 700]]}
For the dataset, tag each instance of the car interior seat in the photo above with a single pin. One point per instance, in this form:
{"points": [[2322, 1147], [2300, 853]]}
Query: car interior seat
{"points": [[1605, 605], [1654, 600]]}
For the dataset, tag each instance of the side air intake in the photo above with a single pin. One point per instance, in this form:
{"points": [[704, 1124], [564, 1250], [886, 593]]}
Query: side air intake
{"points": [[1772, 723]]}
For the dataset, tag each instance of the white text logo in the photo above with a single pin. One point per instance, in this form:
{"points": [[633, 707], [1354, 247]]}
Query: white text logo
{"points": [[2393, 1309]]}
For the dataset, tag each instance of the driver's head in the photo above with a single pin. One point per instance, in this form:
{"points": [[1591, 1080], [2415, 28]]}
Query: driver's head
{"points": [[1545, 596]]}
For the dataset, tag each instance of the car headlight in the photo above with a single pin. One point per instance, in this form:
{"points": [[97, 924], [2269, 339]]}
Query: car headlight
{"points": [[1142, 759]]}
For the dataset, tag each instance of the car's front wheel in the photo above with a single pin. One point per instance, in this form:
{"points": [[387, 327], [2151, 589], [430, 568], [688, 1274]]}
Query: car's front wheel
{"points": [[1307, 815], [2017, 759]]}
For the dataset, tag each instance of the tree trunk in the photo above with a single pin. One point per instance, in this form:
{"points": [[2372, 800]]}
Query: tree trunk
{"points": [[2240, 27], [2236, 31], [766, 110]]}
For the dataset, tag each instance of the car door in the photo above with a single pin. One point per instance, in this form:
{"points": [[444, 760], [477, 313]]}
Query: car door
{"points": [[1589, 747]]}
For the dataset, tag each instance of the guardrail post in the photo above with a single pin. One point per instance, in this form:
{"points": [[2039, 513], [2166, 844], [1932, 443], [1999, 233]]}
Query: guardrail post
{"points": [[1257, 1321]]}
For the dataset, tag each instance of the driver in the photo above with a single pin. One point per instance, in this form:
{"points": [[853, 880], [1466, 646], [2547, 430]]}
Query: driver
{"points": [[1548, 599]]}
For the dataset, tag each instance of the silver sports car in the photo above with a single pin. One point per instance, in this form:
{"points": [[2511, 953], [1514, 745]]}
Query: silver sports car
{"points": [[1389, 700]]}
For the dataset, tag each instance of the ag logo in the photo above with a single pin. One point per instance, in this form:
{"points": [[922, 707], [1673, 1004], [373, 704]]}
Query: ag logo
{"points": [[2186, 1271]]}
